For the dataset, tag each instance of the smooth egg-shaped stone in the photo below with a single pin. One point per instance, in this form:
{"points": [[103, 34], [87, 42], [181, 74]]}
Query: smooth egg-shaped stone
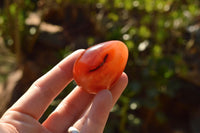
{"points": [[100, 66]]}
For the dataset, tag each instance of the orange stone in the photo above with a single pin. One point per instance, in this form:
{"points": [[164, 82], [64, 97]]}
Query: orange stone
{"points": [[100, 66]]}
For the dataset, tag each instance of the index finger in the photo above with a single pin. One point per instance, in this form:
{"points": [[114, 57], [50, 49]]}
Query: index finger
{"points": [[36, 100]]}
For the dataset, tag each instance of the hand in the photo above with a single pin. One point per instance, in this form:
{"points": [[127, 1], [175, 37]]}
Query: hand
{"points": [[86, 112]]}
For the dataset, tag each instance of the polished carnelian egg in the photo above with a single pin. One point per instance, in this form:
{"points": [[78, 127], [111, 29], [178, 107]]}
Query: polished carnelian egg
{"points": [[100, 66]]}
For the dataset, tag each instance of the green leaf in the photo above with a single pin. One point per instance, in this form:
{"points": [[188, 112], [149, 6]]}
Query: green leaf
{"points": [[130, 45], [157, 50], [13, 8], [144, 32], [168, 73], [118, 3], [128, 4], [102, 1], [113, 16], [149, 5]]}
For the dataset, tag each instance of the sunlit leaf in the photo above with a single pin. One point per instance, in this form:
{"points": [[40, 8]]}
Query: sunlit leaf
{"points": [[144, 32], [193, 9], [13, 8], [149, 5], [118, 3], [157, 51], [113, 16], [130, 45], [102, 1], [128, 4]]}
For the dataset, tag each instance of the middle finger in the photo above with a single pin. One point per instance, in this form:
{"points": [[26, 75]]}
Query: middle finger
{"points": [[68, 111]]}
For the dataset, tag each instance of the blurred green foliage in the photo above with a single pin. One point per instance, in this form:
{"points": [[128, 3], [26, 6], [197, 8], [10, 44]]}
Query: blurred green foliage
{"points": [[154, 32]]}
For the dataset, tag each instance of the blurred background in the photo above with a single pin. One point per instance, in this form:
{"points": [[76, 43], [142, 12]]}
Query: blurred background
{"points": [[163, 38]]}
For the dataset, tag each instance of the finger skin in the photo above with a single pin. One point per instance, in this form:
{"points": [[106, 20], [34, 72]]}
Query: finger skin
{"points": [[36, 100], [98, 113], [68, 111], [95, 118], [119, 87], [7, 128], [23, 123]]}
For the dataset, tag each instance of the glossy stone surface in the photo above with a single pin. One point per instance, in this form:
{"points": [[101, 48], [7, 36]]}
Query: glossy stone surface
{"points": [[100, 66]]}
